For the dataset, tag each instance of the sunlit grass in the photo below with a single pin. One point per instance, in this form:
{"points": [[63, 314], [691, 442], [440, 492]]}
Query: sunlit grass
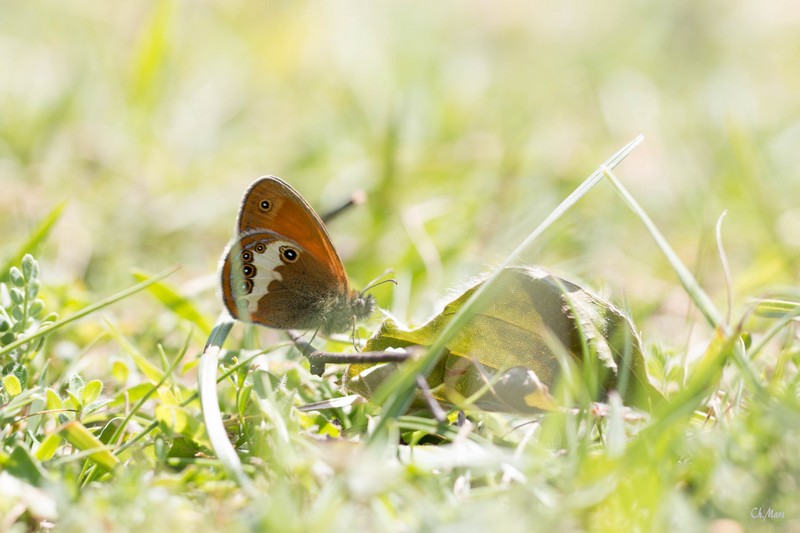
{"points": [[129, 132]]}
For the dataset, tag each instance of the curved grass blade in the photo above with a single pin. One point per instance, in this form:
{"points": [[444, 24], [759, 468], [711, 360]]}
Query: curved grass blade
{"points": [[209, 400]]}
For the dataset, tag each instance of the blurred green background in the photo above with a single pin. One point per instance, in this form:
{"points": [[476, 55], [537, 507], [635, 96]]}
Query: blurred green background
{"points": [[466, 123]]}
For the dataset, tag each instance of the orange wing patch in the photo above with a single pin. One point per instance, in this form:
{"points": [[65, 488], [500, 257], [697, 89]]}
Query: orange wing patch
{"points": [[272, 204]]}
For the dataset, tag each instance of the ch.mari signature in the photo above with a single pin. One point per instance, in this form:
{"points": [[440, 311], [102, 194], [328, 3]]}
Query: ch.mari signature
{"points": [[760, 514]]}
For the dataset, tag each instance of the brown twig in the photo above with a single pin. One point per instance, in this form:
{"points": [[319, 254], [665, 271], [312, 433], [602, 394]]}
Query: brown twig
{"points": [[357, 198], [433, 404], [318, 359]]}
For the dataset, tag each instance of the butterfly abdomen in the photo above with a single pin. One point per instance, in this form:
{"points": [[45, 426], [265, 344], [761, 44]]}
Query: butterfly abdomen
{"points": [[330, 313]]}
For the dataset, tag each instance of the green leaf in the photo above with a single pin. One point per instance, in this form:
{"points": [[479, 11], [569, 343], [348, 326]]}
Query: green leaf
{"points": [[521, 335], [73, 401], [91, 391], [397, 394], [25, 466], [76, 383], [48, 447], [183, 448], [120, 372], [17, 296], [36, 307], [12, 385], [82, 439], [16, 277], [53, 400], [19, 370], [33, 288], [30, 268]]}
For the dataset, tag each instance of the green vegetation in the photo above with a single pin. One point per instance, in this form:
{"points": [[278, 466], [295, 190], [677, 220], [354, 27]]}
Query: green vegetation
{"points": [[128, 133]]}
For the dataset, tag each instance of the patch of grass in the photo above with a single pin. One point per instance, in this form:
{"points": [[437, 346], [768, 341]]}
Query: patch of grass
{"points": [[592, 468], [129, 133]]}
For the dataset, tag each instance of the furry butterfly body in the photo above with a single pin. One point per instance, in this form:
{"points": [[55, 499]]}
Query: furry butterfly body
{"points": [[282, 270]]}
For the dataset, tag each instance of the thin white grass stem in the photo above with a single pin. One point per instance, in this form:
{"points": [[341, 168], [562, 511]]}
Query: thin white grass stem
{"points": [[209, 400]]}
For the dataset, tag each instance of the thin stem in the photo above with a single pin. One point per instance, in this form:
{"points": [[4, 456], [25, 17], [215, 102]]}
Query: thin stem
{"points": [[318, 359]]}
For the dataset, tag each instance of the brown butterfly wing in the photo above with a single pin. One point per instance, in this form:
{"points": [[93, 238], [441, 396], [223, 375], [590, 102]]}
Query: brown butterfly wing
{"points": [[272, 280], [272, 204]]}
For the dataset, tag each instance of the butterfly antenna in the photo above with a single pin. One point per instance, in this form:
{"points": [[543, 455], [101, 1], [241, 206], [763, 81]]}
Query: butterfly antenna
{"points": [[374, 283]]}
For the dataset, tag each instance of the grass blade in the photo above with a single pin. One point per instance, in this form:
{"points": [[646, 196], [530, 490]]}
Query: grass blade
{"points": [[83, 439], [696, 293], [209, 400], [168, 373], [88, 310], [36, 237]]}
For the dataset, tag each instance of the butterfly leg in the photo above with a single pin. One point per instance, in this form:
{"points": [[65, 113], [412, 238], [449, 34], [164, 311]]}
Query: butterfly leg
{"points": [[354, 336], [314, 336]]}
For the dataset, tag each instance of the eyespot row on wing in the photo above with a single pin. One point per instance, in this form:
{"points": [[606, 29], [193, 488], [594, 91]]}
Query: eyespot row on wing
{"points": [[255, 267]]}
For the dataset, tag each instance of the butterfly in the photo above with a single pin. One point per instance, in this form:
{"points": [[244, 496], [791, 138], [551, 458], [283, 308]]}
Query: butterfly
{"points": [[282, 270]]}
